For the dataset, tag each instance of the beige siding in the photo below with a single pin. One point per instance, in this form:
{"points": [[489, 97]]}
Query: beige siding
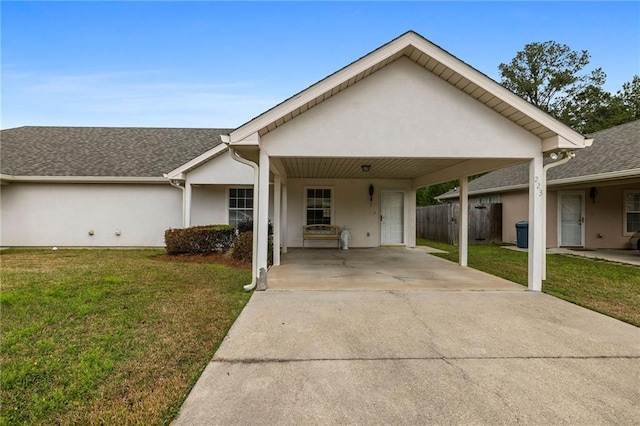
{"points": [[603, 220]]}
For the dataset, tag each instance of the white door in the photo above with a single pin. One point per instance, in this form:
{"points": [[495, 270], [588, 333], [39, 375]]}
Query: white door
{"points": [[571, 219], [392, 218]]}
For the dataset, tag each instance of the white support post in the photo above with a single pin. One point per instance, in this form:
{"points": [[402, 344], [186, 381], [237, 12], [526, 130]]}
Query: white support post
{"points": [[411, 238], [283, 225], [187, 205], [263, 211], [277, 191], [463, 221], [543, 259], [535, 224]]}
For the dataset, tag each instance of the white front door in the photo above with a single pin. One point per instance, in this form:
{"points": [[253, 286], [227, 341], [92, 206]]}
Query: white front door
{"points": [[571, 219], [392, 218]]}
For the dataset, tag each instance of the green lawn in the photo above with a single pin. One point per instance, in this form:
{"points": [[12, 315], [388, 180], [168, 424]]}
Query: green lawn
{"points": [[610, 288], [108, 336]]}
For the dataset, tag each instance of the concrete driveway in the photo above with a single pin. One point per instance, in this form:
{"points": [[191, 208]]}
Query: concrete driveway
{"points": [[378, 268], [419, 357]]}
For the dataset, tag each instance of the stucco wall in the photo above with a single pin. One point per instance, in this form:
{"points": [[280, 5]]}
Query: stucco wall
{"points": [[402, 111], [352, 208], [221, 170], [62, 214], [605, 216], [209, 205]]}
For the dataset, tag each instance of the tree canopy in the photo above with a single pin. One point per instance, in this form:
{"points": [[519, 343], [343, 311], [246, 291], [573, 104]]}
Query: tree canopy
{"points": [[552, 77]]}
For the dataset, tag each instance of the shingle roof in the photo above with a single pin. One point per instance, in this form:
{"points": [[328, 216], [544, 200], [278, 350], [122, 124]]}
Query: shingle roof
{"points": [[614, 150], [101, 151]]}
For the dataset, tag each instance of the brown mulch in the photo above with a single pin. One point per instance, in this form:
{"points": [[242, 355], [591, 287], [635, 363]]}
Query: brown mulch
{"points": [[218, 258]]}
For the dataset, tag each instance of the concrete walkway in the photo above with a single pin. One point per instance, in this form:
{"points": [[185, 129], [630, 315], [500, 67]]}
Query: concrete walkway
{"points": [[629, 257], [419, 357]]}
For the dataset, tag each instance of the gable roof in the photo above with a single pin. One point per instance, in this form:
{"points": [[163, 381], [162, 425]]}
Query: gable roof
{"points": [[613, 155], [101, 151], [554, 134]]}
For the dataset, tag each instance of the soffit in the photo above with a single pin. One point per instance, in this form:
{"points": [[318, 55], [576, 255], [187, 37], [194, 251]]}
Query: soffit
{"points": [[351, 168]]}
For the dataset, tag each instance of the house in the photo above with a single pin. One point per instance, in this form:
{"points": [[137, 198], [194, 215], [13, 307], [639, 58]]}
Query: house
{"points": [[350, 150], [593, 201], [75, 186]]}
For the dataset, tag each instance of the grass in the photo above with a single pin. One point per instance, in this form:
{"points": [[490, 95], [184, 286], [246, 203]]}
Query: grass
{"points": [[609, 288], [108, 336]]}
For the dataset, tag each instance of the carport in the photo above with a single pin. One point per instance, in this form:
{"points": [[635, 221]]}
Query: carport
{"points": [[352, 149], [378, 268]]}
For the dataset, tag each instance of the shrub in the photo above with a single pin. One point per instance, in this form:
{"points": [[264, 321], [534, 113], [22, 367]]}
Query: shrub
{"points": [[247, 226], [199, 239], [243, 247]]}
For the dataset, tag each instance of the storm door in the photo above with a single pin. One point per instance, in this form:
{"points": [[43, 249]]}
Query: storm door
{"points": [[392, 218], [571, 219]]}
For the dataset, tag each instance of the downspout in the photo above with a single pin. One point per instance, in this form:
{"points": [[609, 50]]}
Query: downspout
{"points": [[176, 184], [256, 183], [568, 156]]}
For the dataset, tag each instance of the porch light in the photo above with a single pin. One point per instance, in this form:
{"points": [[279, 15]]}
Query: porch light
{"points": [[366, 167]]}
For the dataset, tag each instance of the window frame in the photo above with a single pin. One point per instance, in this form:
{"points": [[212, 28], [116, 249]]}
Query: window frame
{"points": [[625, 212], [304, 201], [228, 202]]}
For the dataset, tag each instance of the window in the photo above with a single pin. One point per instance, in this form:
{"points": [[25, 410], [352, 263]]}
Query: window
{"points": [[240, 205], [489, 199], [632, 211], [319, 206]]}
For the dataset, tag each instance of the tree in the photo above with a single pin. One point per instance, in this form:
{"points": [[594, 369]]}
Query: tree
{"points": [[548, 75], [591, 110], [427, 196], [629, 97], [594, 109]]}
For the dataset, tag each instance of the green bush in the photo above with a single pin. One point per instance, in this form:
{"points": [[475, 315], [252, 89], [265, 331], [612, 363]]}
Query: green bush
{"points": [[199, 239], [243, 247]]}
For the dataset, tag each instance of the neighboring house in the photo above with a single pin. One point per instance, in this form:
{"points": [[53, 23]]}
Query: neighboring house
{"points": [[593, 201], [83, 186], [350, 150]]}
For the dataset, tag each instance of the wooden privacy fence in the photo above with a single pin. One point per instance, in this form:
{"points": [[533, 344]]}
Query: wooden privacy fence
{"points": [[440, 223]]}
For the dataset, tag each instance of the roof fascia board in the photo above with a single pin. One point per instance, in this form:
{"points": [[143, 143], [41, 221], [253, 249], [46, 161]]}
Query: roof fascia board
{"points": [[622, 174], [88, 179], [180, 172]]}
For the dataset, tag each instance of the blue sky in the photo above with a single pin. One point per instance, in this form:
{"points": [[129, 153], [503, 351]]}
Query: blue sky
{"points": [[217, 64]]}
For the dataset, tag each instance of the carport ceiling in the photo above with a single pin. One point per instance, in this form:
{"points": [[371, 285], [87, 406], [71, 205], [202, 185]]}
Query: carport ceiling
{"points": [[351, 168]]}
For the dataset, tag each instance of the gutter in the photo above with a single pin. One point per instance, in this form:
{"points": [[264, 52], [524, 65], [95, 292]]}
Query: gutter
{"points": [[568, 156], [622, 174], [83, 179], [256, 184], [176, 184]]}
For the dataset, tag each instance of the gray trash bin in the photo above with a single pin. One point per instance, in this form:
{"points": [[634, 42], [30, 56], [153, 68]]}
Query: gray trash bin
{"points": [[522, 234]]}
